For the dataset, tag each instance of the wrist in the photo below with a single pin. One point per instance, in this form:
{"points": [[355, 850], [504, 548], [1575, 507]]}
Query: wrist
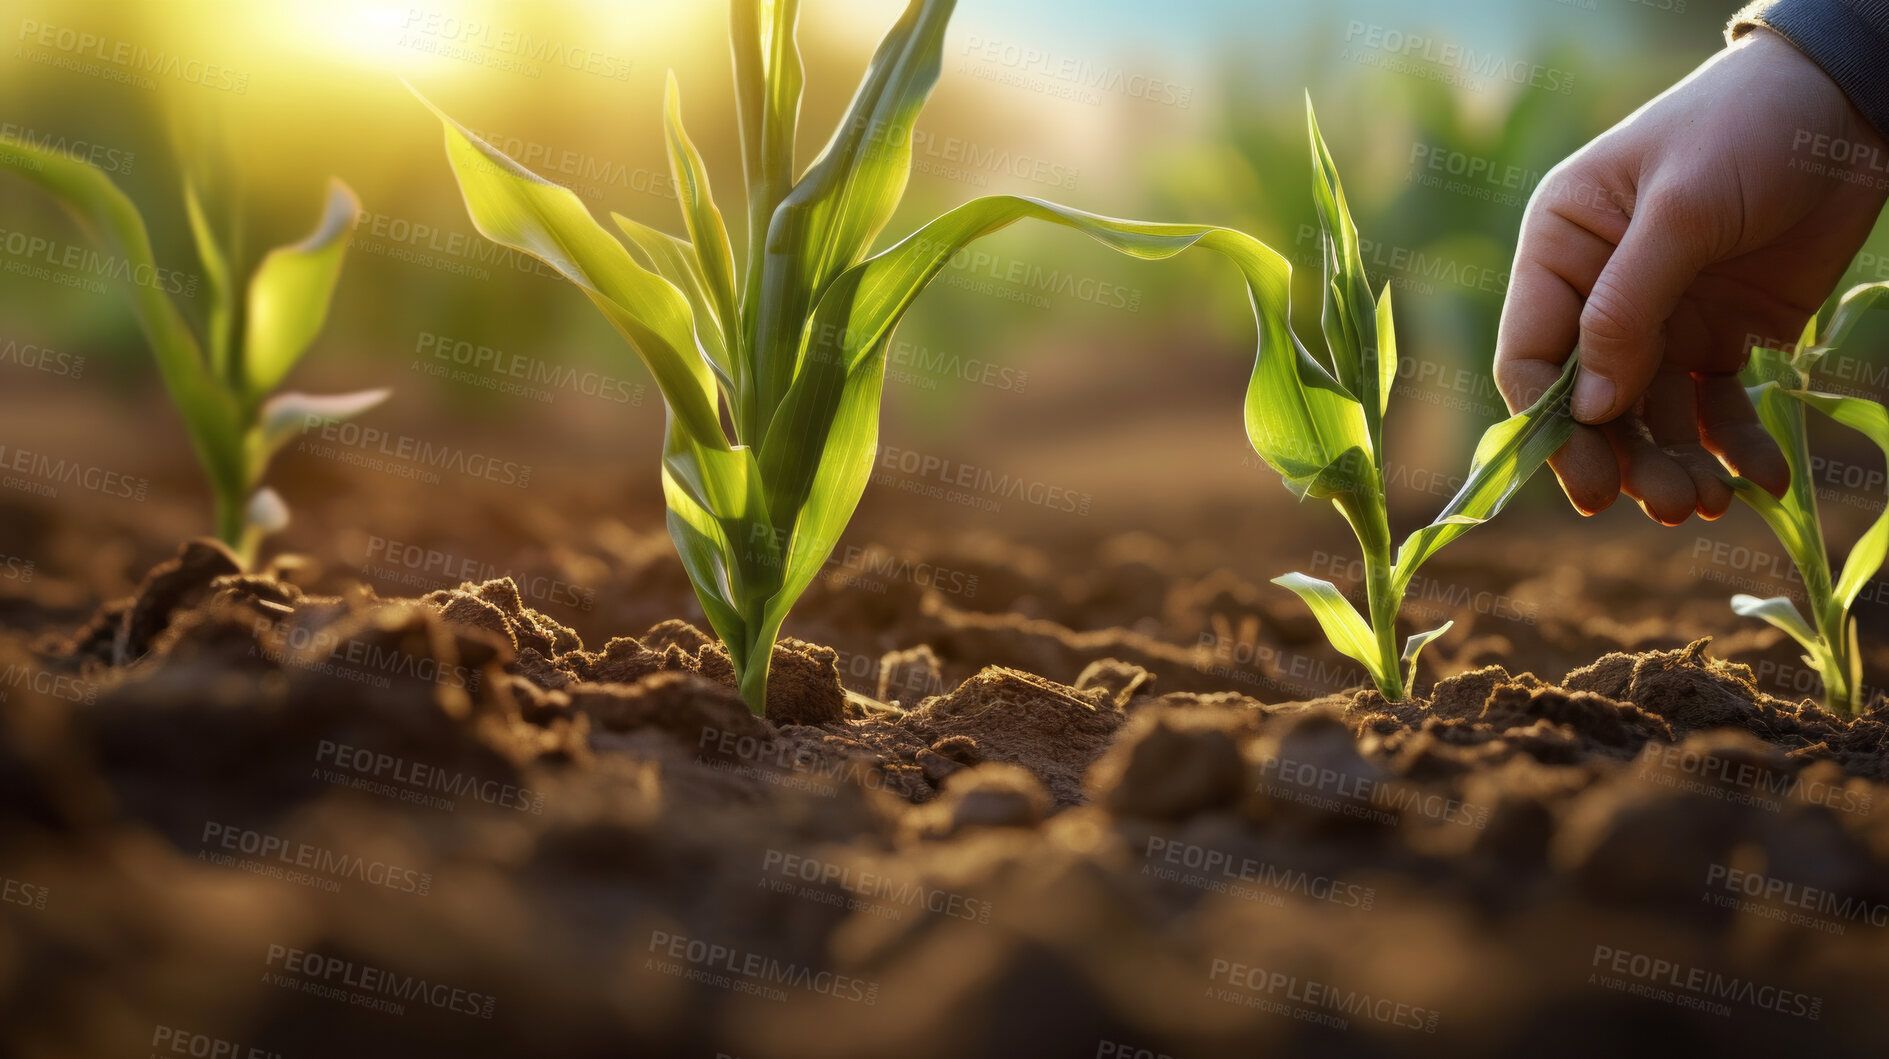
{"points": [[1846, 47]]}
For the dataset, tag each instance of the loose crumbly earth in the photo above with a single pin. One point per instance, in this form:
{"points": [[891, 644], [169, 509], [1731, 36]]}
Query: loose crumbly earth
{"points": [[336, 824]]}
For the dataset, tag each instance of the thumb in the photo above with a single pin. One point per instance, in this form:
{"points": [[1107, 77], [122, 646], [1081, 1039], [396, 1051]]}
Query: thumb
{"points": [[1623, 324]]}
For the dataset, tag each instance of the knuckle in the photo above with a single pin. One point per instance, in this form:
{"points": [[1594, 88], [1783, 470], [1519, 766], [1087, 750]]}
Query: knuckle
{"points": [[1612, 318], [1583, 186], [1518, 382], [1676, 212], [1507, 378]]}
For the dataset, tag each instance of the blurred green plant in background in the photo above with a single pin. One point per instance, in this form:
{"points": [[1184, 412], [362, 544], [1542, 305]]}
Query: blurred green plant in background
{"points": [[225, 383]]}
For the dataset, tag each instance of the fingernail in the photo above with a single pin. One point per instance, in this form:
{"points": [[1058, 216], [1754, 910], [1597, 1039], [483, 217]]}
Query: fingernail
{"points": [[1593, 397]]}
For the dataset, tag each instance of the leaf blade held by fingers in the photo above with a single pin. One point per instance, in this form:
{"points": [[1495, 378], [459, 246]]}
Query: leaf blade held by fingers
{"points": [[1508, 455]]}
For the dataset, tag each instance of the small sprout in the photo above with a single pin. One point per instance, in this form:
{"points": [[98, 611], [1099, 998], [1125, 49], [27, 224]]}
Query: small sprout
{"points": [[793, 346], [1778, 382], [224, 390], [1321, 426], [267, 513]]}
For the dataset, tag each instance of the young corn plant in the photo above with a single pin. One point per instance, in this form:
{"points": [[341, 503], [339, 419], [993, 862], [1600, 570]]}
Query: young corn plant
{"points": [[1323, 431], [225, 386], [790, 346], [1778, 381]]}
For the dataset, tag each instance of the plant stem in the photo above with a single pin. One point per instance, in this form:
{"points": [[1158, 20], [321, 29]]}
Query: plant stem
{"points": [[751, 668], [1834, 661], [1385, 602], [1370, 521], [230, 525]]}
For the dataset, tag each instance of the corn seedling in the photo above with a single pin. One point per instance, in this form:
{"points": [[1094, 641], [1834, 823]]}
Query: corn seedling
{"points": [[1778, 381], [224, 387], [793, 347], [1322, 429]]}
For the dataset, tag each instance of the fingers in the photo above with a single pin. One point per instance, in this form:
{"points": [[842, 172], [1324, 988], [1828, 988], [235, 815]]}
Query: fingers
{"points": [[1733, 317], [1671, 416], [1558, 258], [1623, 324], [1729, 427], [1662, 488], [1586, 467], [1556, 263], [1588, 470]]}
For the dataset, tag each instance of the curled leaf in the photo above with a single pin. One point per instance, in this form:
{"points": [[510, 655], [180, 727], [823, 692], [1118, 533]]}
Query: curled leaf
{"points": [[289, 295], [1343, 625]]}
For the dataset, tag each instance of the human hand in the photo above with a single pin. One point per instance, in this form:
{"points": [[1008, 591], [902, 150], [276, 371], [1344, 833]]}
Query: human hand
{"points": [[1707, 222]]}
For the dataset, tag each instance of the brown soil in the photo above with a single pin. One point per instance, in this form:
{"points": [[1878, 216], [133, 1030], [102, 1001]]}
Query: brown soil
{"points": [[263, 808], [1035, 785]]}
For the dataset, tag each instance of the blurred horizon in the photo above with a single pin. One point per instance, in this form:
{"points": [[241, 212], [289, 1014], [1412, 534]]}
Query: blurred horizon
{"points": [[1189, 111]]}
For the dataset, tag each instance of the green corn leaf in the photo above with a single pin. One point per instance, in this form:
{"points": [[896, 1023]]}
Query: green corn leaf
{"points": [[708, 235], [514, 207], [717, 519], [1783, 418], [285, 416], [1307, 422], [828, 222], [1386, 352], [1343, 626], [817, 457], [1415, 645], [289, 294], [219, 290], [1854, 671], [1298, 418], [1508, 455], [1867, 555], [103, 211], [1794, 527], [1349, 317], [849, 445], [1777, 386], [701, 544], [1793, 519], [768, 82], [674, 260], [1850, 309], [1776, 365], [1780, 612]]}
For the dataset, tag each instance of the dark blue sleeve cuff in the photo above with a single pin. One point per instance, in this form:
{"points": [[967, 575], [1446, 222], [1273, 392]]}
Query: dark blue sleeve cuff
{"points": [[1848, 39]]}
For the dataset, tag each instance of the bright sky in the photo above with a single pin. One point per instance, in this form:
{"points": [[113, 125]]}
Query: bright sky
{"points": [[1185, 26]]}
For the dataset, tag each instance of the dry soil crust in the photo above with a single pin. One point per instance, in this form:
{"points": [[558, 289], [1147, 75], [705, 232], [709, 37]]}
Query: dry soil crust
{"points": [[324, 825]]}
